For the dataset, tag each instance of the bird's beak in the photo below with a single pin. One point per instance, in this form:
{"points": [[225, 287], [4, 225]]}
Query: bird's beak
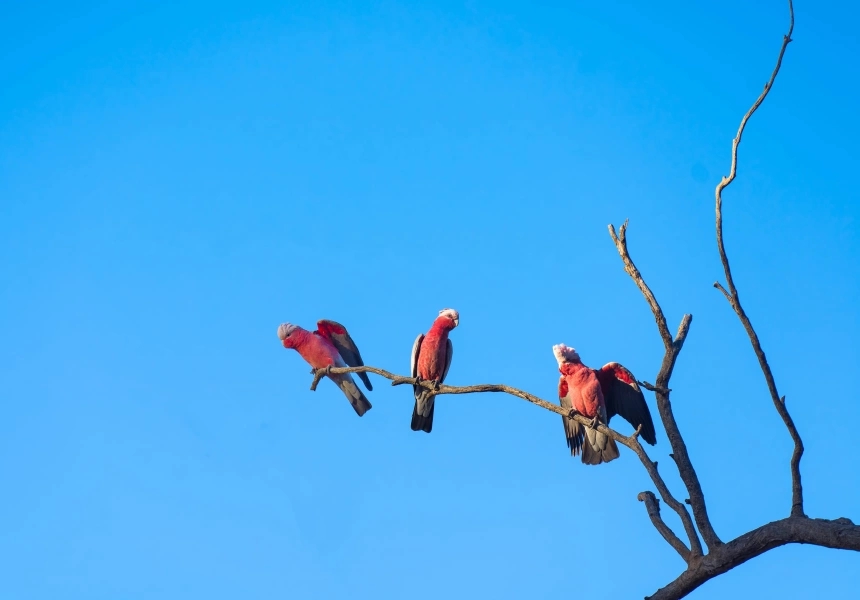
{"points": [[457, 322]]}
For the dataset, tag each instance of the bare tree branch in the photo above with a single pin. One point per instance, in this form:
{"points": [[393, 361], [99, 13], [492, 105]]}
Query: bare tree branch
{"points": [[652, 505], [621, 243], [632, 441], [652, 388], [735, 301], [669, 499], [661, 392], [720, 287], [839, 533]]}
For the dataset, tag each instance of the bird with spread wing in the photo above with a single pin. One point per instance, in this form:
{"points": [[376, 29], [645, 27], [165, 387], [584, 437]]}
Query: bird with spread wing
{"points": [[599, 395], [330, 346]]}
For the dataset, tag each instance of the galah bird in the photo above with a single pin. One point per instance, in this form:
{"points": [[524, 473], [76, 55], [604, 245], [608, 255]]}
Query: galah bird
{"points": [[431, 359], [598, 395], [321, 349]]}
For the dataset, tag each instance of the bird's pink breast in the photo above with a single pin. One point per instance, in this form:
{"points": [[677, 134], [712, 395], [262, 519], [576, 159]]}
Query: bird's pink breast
{"points": [[431, 360], [584, 388], [317, 351]]}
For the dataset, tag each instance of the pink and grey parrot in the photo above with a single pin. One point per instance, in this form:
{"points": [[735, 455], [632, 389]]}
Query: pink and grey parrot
{"points": [[431, 359], [599, 395], [332, 346]]}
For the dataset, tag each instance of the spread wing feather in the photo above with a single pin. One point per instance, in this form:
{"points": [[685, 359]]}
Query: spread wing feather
{"points": [[624, 397], [573, 431]]}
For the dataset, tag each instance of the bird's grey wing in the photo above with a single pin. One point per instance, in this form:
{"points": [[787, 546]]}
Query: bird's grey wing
{"points": [[449, 354], [416, 350], [422, 412], [573, 431], [624, 397]]}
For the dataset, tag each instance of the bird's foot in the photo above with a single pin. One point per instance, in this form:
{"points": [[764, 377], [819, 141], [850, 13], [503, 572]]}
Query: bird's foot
{"points": [[594, 422], [417, 381], [328, 370], [435, 383], [572, 412]]}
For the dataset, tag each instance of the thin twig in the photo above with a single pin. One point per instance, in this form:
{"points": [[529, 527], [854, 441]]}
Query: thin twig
{"points": [[652, 388], [720, 287], [732, 293], [670, 500]]}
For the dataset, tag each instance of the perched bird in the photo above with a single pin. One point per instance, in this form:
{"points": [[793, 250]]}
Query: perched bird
{"points": [[599, 395], [317, 349], [431, 359]]}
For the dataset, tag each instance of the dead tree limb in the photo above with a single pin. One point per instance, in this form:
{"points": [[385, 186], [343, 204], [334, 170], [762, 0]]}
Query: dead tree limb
{"points": [[837, 533], [732, 293], [652, 505], [661, 391]]}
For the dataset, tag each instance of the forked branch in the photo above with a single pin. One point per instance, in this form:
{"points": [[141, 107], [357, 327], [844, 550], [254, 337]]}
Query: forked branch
{"points": [[661, 391]]}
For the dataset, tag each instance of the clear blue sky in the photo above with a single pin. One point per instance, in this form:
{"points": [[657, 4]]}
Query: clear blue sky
{"points": [[177, 181]]}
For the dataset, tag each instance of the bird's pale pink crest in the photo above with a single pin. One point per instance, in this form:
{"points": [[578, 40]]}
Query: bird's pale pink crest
{"points": [[451, 314], [564, 354], [284, 330]]}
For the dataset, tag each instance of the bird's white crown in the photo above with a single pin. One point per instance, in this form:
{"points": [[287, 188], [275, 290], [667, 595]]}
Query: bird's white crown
{"points": [[450, 313], [285, 329], [564, 354]]}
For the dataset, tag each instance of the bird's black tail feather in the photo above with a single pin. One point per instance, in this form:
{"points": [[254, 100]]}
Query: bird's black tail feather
{"points": [[356, 398], [420, 423]]}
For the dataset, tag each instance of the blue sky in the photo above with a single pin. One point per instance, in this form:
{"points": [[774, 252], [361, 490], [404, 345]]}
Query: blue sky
{"points": [[175, 181]]}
